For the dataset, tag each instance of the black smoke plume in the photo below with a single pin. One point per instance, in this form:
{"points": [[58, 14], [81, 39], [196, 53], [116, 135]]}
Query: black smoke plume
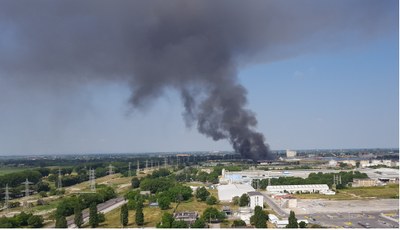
{"points": [[195, 47]]}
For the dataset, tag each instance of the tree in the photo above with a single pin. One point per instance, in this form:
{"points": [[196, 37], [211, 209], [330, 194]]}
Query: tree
{"points": [[179, 224], [164, 202], [43, 186], [302, 224], [180, 192], [238, 224], [292, 221], [22, 218], [139, 217], [244, 200], [236, 200], [211, 200], [202, 193], [259, 218], [61, 222], [101, 217], [78, 218], [35, 221], [135, 182], [199, 223], [166, 221], [93, 216], [124, 215], [213, 213]]}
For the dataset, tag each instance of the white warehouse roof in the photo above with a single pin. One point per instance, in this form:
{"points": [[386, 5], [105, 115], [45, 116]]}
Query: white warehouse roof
{"points": [[227, 192], [305, 187]]}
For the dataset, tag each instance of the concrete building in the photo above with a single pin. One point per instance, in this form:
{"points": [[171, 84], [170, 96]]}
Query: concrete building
{"points": [[387, 163], [364, 163], [291, 154], [281, 223], [375, 162], [245, 176], [332, 163], [364, 183], [188, 217], [227, 192], [307, 188], [256, 199], [349, 162]]}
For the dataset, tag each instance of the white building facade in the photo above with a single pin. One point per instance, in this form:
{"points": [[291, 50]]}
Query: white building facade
{"points": [[307, 188], [291, 154], [256, 199]]}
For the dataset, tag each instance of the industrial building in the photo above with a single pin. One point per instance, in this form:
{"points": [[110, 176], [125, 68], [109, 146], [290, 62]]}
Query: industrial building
{"points": [[307, 188], [246, 176], [364, 183], [291, 154], [256, 199], [227, 192], [281, 223], [188, 217]]}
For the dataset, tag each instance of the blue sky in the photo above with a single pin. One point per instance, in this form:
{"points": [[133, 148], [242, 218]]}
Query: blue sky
{"points": [[306, 94], [338, 99]]}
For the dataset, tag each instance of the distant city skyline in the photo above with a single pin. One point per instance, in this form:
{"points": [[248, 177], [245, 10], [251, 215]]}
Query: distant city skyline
{"points": [[316, 86]]}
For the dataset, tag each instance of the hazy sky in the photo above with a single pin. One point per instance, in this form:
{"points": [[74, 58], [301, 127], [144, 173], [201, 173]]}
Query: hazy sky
{"points": [[318, 74]]}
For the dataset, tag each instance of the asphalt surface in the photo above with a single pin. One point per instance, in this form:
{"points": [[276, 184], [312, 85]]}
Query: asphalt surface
{"points": [[278, 210], [351, 220], [342, 219]]}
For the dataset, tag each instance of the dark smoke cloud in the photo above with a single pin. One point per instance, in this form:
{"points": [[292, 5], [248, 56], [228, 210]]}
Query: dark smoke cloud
{"points": [[194, 47]]}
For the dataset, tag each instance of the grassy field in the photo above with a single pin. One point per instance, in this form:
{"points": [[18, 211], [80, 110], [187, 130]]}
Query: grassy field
{"points": [[384, 192], [151, 217], [7, 170], [116, 181]]}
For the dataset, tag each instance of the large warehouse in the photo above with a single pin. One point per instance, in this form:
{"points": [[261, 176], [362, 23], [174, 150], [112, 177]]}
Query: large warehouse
{"points": [[227, 192], [306, 188]]}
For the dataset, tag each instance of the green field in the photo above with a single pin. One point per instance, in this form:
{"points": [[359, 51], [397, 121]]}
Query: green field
{"points": [[382, 192], [7, 170]]}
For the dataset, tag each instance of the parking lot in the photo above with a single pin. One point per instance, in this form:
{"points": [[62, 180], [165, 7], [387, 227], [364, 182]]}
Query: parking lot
{"points": [[343, 206], [351, 220]]}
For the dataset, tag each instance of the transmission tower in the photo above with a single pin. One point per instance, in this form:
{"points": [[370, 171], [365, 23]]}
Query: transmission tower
{"points": [[138, 167], [146, 165], [110, 169], [27, 191], [165, 162], [129, 170], [92, 180], [59, 185], [6, 198]]}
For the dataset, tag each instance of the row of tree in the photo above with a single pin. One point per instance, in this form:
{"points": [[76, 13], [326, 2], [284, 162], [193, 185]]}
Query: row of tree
{"points": [[313, 178], [139, 216], [21, 220]]}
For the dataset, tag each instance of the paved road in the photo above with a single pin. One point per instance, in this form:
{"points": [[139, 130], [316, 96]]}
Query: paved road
{"points": [[103, 208], [274, 206]]}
